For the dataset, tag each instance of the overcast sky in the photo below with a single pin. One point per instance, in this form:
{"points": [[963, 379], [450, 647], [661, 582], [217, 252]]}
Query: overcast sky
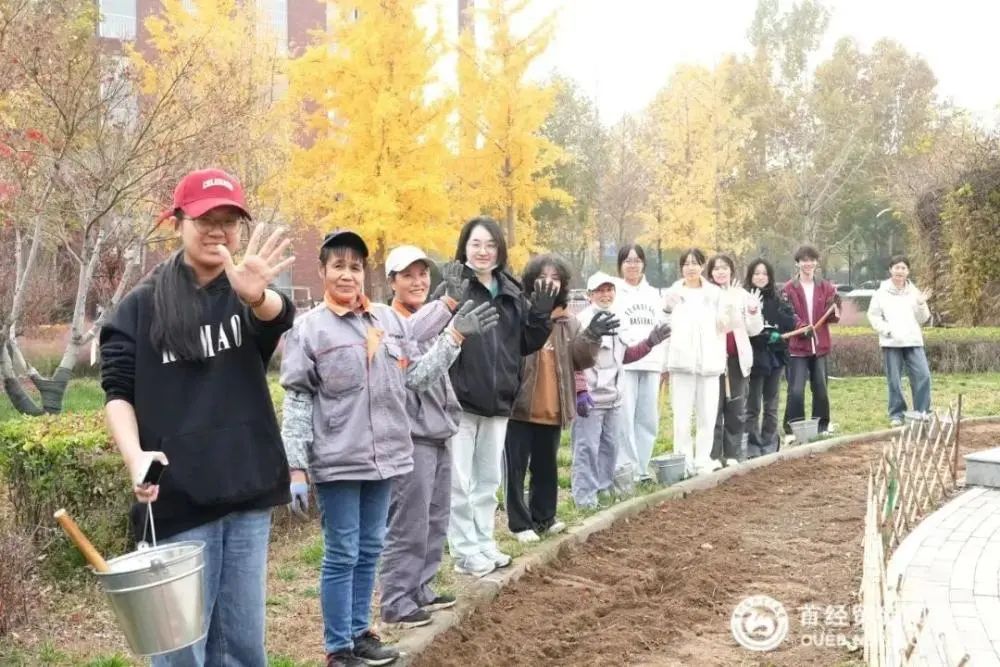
{"points": [[622, 51]]}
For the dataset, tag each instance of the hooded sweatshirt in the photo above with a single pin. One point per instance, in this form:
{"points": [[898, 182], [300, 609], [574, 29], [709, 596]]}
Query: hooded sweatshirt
{"points": [[640, 308], [897, 316], [213, 418]]}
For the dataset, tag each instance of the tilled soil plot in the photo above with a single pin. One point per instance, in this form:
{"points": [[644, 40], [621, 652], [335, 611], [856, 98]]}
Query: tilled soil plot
{"points": [[660, 589]]}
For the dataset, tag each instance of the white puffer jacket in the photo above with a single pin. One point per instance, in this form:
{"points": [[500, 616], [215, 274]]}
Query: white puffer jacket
{"points": [[897, 314], [699, 324]]}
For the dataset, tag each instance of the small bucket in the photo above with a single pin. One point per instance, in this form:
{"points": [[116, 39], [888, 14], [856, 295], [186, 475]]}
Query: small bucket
{"points": [[624, 480], [669, 468], [158, 597], [805, 430]]}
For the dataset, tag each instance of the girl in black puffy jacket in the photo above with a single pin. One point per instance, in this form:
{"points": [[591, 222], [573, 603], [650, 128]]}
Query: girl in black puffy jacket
{"points": [[770, 355]]}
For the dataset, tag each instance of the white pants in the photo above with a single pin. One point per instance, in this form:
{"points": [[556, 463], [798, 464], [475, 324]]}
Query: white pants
{"points": [[476, 459], [641, 414], [696, 394]]}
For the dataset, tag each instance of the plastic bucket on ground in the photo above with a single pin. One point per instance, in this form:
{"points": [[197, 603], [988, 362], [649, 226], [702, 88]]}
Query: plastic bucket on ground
{"points": [[158, 597], [805, 430], [669, 468]]}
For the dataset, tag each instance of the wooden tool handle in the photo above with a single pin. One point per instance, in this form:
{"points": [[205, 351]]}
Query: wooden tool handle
{"points": [[820, 322], [81, 541]]}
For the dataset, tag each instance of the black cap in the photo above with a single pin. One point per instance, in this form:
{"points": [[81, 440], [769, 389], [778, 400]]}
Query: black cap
{"points": [[345, 237]]}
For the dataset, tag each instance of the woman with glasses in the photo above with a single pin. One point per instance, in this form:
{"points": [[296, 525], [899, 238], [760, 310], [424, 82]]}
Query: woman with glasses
{"points": [[184, 363], [640, 308], [701, 314]]}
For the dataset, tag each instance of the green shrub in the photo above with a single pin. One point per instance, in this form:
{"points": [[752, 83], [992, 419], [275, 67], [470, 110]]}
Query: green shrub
{"points": [[65, 461]]}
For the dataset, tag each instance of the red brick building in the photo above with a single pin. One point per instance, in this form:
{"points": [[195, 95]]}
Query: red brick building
{"points": [[292, 21]]}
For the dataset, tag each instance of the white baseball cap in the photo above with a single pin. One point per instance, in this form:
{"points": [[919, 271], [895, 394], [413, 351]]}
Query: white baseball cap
{"points": [[598, 279], [402, 257]]}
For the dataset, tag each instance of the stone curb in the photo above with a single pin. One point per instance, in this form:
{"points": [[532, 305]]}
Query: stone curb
{"points": [[482, 592]]}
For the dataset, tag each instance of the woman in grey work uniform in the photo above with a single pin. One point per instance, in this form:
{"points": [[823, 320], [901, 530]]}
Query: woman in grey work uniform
{"points": [[420, 501], [346, 369]]}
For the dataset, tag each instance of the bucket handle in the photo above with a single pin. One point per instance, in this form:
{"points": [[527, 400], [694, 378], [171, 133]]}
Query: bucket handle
{"points": [[149, 525]]}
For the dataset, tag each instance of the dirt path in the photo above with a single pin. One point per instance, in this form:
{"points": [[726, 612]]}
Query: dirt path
{"points": [[660, 589]]}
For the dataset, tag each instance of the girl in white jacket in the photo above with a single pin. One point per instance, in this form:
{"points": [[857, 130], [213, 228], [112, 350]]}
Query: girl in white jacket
{"points": [[747, 321], [639, 307], [896, 312], [700, 315]]}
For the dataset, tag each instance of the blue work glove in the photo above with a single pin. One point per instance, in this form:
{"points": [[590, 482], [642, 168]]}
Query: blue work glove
{"points": [[300, 499], [584, 403], [774, 337]]}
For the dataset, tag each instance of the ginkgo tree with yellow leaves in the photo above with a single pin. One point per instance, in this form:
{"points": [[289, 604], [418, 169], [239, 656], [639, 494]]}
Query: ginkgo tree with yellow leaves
{"points": [[506, 170], [696, 152], [374, 157]]}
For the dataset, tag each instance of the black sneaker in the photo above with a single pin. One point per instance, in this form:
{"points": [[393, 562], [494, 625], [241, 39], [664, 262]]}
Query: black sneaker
{"points": [[372, 651], [415, 620], [343, 658], [441, 602]]}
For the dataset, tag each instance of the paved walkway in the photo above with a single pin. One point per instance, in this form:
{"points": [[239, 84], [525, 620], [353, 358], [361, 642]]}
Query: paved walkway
{"points": [[950, 566]]}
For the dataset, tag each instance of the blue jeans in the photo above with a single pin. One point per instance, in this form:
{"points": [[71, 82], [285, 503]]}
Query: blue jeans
{"points": [[354, 525], [235, 581], [920, 379]]}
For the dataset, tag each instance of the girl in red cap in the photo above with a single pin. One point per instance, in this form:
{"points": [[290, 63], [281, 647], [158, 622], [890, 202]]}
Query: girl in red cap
{"points": [[184, 363]]}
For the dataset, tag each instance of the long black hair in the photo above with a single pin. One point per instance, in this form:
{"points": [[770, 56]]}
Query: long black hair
{"points": [[534, 270], [752, 268], [176, 310], [491, 226]]}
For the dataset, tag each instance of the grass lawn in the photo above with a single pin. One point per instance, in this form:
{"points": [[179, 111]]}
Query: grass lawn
{"points": [[294, 621], [83, 394]]}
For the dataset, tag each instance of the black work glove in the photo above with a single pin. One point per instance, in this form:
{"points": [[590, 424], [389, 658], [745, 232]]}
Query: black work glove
{"points": [[543, 300], [452, 283], [603, 323], [473, 320], [660, 333]]}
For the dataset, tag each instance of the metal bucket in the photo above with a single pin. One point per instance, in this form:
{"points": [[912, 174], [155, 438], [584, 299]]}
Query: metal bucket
{"points": [[804, 430], [669, 468], [624, 480], [158, 597]]}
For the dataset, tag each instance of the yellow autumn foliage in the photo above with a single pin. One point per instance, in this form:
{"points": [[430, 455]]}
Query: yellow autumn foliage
{"points": [[374, 156]]}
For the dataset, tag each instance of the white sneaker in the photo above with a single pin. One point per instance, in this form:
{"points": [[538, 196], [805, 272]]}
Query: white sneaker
{"points": [[556, 528], [732, 462], [527, 536], [499, 558], [476, 565]]}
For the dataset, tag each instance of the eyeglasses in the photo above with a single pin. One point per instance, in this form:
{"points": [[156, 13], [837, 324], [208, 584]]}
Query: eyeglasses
{"points": [[204, 226], [632, 260]]}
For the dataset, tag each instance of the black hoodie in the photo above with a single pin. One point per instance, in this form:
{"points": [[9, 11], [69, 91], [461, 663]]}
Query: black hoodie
{"points": [[213, 418]]}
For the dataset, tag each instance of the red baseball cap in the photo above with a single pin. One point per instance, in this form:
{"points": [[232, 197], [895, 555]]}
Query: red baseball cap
{"points": [[201, 191]]}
